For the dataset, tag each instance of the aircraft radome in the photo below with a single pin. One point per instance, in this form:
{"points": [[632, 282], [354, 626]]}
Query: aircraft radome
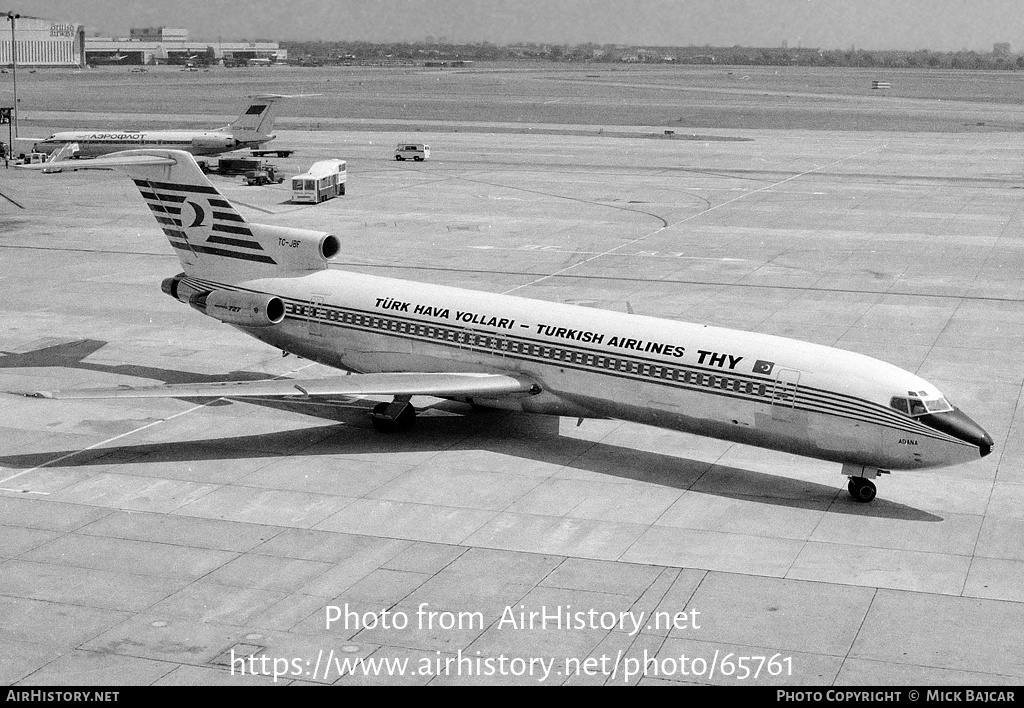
{"points": [[249, 131], [404, 338]]}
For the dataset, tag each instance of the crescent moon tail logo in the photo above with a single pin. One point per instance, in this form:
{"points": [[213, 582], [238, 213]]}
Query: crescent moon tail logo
{"points": [[200, 215]]}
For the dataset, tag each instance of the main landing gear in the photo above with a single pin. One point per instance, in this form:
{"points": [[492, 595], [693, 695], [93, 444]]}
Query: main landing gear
{"points": [[395, 417]]}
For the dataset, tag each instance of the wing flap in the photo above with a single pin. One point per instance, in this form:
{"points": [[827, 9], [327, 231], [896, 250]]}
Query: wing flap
{"points": [[455, 385]]}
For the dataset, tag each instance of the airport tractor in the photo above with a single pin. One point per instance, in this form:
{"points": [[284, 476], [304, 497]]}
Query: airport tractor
{"points": [[267, 174]]}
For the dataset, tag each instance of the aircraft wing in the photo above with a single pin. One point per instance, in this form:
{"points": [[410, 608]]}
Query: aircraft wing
{"points": [[396, 384], [104, 162]]}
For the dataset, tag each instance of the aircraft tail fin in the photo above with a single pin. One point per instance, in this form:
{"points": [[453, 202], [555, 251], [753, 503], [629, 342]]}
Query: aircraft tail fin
{"points": [[209, 235], [258, 118]]}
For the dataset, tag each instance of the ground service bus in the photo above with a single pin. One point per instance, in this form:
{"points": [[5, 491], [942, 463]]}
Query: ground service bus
{"points": [[325, 180]]}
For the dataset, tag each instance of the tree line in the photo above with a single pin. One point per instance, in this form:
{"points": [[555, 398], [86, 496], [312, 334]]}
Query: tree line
{"points": [[324, 52]]}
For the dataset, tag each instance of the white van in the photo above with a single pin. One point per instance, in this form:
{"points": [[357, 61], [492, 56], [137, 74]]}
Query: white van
{"points": [[412, 151]]}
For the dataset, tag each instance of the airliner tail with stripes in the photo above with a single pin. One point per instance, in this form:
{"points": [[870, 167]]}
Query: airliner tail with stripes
{"points": [[402, 338], [211, 238]]}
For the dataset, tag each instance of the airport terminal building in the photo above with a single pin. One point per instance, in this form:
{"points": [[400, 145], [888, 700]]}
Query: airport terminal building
{"points": [[42, 42]]}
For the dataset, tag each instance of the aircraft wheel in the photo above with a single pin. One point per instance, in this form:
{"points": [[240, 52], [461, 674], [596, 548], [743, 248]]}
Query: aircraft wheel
{"points": [[862, 490], [403, 422], [399, 158]]}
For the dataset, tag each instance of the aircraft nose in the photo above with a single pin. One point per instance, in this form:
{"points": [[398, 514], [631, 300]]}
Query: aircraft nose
{"points": [[960, 426]]}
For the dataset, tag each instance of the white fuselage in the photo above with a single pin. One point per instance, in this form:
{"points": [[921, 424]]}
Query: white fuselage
{"points": [[93, 143], [751, 388]]}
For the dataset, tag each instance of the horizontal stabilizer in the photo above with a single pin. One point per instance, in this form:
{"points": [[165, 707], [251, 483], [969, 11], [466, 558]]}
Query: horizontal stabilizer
{"points": [[396, 384]]}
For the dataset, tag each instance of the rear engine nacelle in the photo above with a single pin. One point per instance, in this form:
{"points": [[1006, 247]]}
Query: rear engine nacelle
{"points": [[177, 288], [213, 143], [297, 249], [247, 309]]}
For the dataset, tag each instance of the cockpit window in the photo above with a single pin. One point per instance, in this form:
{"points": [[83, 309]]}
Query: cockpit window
{"points": [[938, 405], [915, 407]]}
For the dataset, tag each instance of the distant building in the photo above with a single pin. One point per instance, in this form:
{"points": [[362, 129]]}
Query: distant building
{"points": [[157, 34], [167, 45], [43, 42], [454, 63]]}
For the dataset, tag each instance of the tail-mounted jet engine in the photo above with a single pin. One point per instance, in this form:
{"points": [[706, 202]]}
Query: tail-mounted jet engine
{"points": [[219, 143], [297, 249], [246, 309], [178, 289], [239, 308]]}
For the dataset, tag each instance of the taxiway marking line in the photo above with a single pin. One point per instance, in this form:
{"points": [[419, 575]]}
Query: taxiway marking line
{"points": [[610, 251], [638, 254], [11, 200], [131, 432], [116, 437]]}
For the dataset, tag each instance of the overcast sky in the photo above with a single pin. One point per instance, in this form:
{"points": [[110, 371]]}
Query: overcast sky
{"points": [[868, 24]]}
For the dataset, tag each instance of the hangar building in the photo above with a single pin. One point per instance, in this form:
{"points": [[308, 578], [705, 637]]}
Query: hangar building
{"points": [[167, 45], [42, 42]]}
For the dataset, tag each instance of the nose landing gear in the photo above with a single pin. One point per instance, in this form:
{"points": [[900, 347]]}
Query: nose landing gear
{"points": [[860, 485], [863, 490]]}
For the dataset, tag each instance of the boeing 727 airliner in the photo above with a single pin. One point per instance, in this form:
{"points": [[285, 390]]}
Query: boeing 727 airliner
{"points": [[250, 130], [404, 338]]}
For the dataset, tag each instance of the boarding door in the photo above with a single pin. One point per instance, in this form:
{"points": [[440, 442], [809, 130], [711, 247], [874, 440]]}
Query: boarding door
{"points": [[787, 381], [316, 314], [499, 344], [483, 343], [466, 339]]}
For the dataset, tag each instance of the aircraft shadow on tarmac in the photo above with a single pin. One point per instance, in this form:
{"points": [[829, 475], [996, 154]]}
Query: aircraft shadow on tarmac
{"points": [[446, 425]]}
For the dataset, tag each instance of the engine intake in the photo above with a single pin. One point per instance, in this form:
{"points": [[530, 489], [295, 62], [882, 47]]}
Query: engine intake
{"points": [[246, 309]]}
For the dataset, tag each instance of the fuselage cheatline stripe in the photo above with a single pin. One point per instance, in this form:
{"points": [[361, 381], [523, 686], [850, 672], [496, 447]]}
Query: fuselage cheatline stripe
{"points": [[728, 384]]}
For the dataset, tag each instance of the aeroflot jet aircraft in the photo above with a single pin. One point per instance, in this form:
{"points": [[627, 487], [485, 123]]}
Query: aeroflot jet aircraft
{"points": [[405, 338], [250, 130]]}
